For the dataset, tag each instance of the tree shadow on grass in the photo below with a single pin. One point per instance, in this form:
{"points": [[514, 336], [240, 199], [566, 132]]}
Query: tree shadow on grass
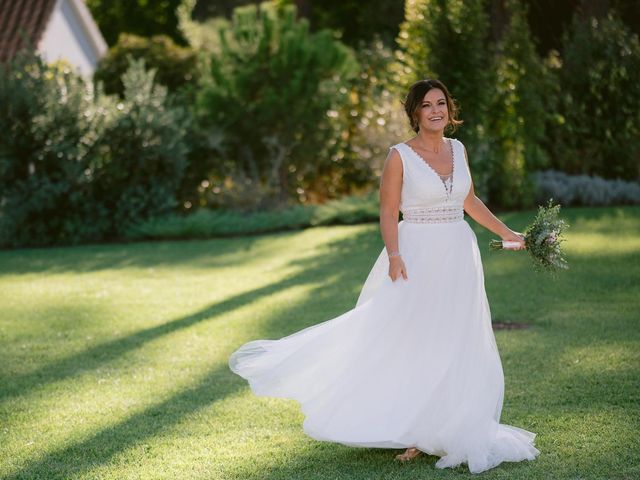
{"points": [[78, 457], [100, 354], [81, 456], [330, 261], [210, 253]]}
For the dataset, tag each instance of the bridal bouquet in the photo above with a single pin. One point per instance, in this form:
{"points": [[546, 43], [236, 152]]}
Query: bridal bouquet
{"points": [[542, 239]]}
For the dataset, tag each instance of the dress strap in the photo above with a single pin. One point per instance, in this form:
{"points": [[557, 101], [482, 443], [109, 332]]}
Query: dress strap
{"points": [[459, 145], [398, 147]]}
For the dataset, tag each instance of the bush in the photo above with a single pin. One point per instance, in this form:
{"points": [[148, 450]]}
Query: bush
{"points": [[365, 125], [142, 17], [263, 105], [51, 124], [175, 66], [76, 165], [220, 223], [577, 190], [143, 153]]}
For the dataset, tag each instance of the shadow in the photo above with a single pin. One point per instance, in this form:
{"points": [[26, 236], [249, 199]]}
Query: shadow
{"points": [[203, 254], [323, 460], [78, 457], [326, 263], [334, 289], [16, 332], [96, 356]]}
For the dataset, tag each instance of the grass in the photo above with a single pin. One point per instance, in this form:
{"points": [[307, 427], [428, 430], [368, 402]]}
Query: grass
{"points": [[113, 357]]}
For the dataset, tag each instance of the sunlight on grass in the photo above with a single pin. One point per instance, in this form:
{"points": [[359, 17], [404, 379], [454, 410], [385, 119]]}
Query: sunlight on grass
{"points": [[601, 359], [601, 244], [114, 357]]}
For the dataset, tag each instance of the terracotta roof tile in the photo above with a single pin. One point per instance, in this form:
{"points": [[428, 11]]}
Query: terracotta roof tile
{"points": [[22, 23]]}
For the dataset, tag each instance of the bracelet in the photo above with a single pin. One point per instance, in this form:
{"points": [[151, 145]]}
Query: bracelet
{"points": [[394, 254]]}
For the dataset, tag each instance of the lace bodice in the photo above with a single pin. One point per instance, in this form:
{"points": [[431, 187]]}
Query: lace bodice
{"points": [[425, 191]]}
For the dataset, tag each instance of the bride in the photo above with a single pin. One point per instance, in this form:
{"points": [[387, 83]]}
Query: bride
{"points": [[415, 363]]}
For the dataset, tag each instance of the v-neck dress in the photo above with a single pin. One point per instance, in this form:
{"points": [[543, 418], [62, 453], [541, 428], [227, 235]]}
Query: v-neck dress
{"points": [[415, 362]]}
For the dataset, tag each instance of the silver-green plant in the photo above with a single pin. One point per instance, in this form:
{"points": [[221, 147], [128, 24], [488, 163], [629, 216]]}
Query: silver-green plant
{"points": [[543, 238]]}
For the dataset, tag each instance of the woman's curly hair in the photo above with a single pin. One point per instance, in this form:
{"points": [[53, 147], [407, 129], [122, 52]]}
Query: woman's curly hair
{"points": [[416, 94]]}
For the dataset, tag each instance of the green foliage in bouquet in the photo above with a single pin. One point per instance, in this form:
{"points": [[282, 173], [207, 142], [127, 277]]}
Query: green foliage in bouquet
{"points": [[543, 238]]}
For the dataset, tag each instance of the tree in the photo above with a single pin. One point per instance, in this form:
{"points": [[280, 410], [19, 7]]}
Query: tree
{"points": [[598, 132], [521, 105], [175, 65], [141, 17], [265, 100]]}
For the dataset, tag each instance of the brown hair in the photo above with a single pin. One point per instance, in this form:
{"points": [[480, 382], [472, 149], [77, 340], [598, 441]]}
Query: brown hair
{"points": [[416, 94]]}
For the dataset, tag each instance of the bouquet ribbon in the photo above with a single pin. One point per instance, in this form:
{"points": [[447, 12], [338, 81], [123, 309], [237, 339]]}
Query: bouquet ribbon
{"points": [[506, 244]]}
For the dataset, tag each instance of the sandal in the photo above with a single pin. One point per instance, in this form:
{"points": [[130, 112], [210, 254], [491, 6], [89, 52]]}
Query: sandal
{"points": [[408, 455]]}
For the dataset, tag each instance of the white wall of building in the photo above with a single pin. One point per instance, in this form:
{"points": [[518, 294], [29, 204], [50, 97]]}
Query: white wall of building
{"points": [[73, 37]]}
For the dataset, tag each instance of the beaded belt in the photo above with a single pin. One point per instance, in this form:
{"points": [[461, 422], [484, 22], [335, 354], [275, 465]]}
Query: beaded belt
{"points": [[443, 214]]}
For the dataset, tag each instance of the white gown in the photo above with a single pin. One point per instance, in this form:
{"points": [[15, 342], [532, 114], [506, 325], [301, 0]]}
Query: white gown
{"points": [[415, 362]]}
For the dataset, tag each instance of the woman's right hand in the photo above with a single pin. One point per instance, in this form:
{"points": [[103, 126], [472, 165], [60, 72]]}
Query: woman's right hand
{"points": [[397, 268]]}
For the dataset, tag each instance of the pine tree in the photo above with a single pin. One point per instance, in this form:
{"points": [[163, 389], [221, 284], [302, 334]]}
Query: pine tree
{"points": [[265, 99]]}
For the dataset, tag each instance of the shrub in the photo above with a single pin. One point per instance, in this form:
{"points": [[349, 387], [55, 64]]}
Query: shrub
{"points": [[141, 17], [175, 66], [585, 190], [143, 154], [264, 102], [220, 223], [76, 165], [449, 41], [51, 124], [365, 125]]}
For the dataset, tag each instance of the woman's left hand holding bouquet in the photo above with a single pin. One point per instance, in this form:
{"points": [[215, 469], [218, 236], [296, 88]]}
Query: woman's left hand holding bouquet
{"points": [[515, 238]]}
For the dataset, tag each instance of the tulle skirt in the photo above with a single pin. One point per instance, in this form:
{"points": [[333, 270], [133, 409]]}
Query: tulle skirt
{"points": [[413, 364]]}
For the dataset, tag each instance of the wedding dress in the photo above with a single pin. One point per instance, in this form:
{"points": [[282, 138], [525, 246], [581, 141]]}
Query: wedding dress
{"points": [[415, 362]]}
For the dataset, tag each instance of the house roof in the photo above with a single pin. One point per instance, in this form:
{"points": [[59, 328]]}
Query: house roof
{"points": [[22, 23]]}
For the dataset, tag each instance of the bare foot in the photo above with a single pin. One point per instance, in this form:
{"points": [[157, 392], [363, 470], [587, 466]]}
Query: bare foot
{"points": [[408, 454]]}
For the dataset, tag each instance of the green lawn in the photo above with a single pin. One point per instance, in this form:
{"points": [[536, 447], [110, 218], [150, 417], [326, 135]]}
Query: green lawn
{"points": [[113, 358]]}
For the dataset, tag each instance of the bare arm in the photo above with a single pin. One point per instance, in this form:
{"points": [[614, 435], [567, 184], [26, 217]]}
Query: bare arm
{"points": [[390, 189], [481, 214]]}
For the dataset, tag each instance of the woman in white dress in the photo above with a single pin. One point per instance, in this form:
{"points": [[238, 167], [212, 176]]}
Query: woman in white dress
{"points": [[414, 364]]}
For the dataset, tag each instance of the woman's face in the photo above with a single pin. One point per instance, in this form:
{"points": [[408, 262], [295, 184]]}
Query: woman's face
{"points": [[432, 113]]}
